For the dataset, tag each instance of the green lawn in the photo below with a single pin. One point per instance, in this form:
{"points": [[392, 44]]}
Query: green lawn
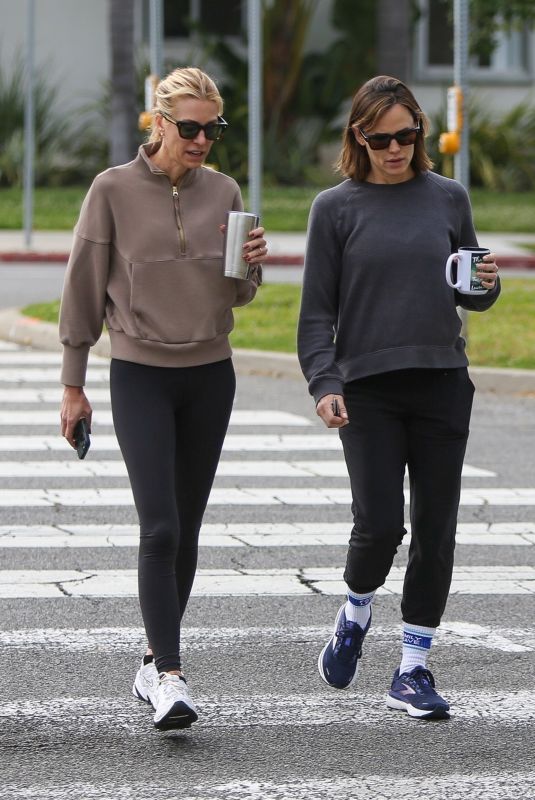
{"points": [[504, 336], [284, 209]]}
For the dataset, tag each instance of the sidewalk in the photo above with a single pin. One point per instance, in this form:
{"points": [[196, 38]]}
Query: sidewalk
{"points": [[284, 263], [285, 249], [29, 332]]}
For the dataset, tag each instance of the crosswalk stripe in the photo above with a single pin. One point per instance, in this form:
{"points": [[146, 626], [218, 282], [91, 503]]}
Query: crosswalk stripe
{"points": [[297, 534], [33, 498], [117, 469], [451, 633], [37, 357], [233, 443], [34, 418], [47, 375], [483, 580], [269, 710], [454, 786], [37, 395]]}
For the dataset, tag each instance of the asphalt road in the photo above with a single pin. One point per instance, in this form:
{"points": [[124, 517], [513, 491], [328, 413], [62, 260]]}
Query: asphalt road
{"points": [[21, 284], [266, 596]]}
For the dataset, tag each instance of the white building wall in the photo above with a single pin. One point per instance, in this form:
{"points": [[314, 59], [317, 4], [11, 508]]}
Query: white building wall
{"points": [[72, 48], [71, 44]]}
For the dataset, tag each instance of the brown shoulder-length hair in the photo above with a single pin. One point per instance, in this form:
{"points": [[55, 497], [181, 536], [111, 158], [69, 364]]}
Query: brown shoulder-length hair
{"points": [[370, 102]]}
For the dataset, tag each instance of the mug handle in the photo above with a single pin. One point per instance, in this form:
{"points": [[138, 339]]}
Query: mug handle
{"points": [[449, 262]]}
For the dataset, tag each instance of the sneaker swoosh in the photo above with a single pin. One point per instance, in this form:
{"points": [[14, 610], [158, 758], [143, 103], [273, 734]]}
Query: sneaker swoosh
{"points": [[408, 689]]}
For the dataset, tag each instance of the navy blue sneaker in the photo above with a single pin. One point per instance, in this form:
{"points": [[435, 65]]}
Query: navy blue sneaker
{"points": [[414, 692], [339, 660]]}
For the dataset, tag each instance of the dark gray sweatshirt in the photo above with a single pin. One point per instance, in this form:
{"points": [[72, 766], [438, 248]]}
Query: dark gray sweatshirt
{"points": [[375, 297]]}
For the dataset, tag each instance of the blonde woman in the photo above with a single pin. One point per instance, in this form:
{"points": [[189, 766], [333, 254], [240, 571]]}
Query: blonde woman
{"points": [[147, 260]]}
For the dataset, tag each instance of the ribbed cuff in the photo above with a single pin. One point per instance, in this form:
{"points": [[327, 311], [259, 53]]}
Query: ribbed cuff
{"points": [[74, 365]]}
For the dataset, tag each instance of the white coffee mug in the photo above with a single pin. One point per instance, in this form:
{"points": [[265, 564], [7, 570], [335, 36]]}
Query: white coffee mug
{"points": [[468, 260]]}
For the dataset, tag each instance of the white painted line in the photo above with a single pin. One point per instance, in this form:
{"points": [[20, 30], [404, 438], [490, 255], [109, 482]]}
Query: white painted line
{"points": [[303, 534], [38, 357], [487, 786], [31, 418], [269, 710], [483, 786], [233, 443], [23, 357], [481, 580], [117, 469], [291, 469], [242, 497], [63, 469], [37, 395], [476, 472], [107, 640], [453, 786], [47, 375]]}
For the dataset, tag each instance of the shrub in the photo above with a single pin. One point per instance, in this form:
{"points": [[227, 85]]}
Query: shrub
{"points": [[502, 151], [51, 128]]}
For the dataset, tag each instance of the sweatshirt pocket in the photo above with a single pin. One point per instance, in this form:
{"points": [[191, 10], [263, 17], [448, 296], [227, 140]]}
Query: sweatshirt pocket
{"points": [[181, 301]]}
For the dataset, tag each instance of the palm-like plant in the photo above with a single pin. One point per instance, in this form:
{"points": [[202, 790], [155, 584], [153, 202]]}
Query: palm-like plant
{"points": [[51, 128], [502, 151]]}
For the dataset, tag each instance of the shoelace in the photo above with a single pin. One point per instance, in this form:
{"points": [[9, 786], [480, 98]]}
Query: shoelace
{"points": [[421, 680], [344, 633], [172, 684]]}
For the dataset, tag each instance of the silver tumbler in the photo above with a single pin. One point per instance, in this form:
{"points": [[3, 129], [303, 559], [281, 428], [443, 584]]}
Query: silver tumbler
{"points": [[239, 225]]}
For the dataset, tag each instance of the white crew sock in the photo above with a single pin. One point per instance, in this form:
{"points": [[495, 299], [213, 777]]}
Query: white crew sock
{"points": [[358, 607], [417, 641]]}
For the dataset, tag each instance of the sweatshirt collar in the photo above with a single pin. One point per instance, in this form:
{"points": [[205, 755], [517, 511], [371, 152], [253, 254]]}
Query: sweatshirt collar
{"points": [[144, 153]]}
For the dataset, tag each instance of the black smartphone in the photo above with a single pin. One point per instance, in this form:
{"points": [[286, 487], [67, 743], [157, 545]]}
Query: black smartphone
{"points": [[81, 437], [335, 407]]}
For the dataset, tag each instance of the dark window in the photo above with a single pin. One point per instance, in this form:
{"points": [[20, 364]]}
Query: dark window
{"points": [[440, 33], [176, 18], [220, 17]]}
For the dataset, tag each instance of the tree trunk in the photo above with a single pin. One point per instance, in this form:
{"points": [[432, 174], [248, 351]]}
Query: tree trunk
{"points": [[123, 83], [394, 41]]}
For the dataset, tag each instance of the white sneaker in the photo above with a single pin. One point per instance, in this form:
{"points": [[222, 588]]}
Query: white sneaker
{"points": [[174, 706], [146, 683]]}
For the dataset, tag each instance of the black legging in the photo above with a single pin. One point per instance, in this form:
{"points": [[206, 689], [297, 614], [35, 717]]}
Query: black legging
{"points": [[419, 418], [170, 423]]}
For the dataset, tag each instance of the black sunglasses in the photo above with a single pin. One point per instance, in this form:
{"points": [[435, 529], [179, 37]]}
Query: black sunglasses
{"points": [[380, 141], [188, 129]]}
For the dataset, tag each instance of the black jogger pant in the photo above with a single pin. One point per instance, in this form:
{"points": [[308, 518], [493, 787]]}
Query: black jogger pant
{"points": [[170, 423], [419, 418]]}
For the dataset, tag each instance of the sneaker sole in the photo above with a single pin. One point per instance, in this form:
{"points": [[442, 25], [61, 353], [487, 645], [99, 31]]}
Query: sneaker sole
{"points": [[417, 713], [178, 717]]}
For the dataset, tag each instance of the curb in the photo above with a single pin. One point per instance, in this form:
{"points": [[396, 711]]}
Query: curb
{"points": [[35, 257], [31, 332]]}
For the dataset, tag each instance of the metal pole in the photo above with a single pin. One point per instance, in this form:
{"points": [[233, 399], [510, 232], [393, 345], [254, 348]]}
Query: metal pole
{"points": [[156, 37], [461, 23], [254, 13], [29, 124]]}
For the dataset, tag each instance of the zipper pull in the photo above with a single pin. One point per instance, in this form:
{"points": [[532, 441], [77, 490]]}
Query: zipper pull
{"points": [[175, 191]]}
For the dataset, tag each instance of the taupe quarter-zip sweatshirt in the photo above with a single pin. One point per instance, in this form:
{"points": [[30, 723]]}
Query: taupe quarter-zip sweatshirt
{"points": [[147, 260]]}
